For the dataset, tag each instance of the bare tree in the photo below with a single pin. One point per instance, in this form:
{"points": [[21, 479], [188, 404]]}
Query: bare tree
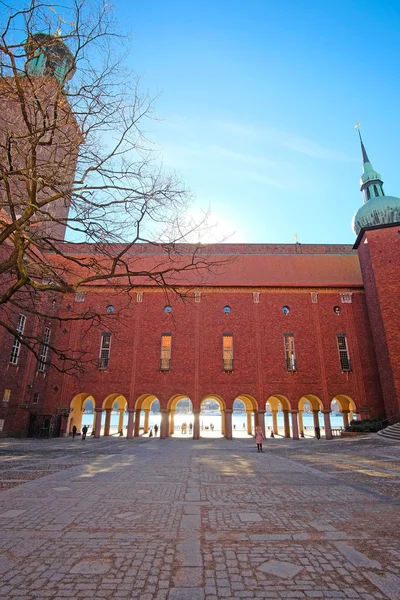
{"points": [[75, 164]]}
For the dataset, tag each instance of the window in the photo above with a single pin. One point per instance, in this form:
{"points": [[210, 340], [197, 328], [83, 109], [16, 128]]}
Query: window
{"points": [[168, 309], [256, 297], [44, 349], [110, 308], [80, 296], [336, 310], [139, 296], [6, 395], [376, 191], [17, 344], [227, 352], [368, 193], [165, 362], [227, 310], [285, 310], [290, 356], [197, 296], [104, 351], [35, 398], [344, 357]]}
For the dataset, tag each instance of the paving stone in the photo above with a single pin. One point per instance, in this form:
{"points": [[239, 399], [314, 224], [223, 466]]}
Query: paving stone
{"points": [[280, 569]]}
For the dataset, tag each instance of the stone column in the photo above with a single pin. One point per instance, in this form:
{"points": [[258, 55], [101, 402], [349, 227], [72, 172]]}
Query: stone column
{"points": [[345, 415], [249, 425], [301, 425], [286, 423], [108, 421], [261, 420], [295, 424], [228, 423], [164, 431], [137, 422], [316, 420], [97, 429], [146, 420], [196, 423], [94, 422], [172, 421], [351, 416], [121, 419], [223, 422], [275, 421], [131, 422], [327, 423]]}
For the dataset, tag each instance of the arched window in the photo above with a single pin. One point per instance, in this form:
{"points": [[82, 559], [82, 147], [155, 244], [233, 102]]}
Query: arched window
{"points": [[368, 193], [376, 190]]}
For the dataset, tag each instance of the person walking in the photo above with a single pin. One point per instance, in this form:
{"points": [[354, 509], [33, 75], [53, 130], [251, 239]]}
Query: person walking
{"points": [[74, 432], [84, 432], [151, 433], [259, 438], [318, 432], [155, 429]]}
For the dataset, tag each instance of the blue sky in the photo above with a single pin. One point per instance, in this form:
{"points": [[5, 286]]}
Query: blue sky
{"points": [[258, 102]]}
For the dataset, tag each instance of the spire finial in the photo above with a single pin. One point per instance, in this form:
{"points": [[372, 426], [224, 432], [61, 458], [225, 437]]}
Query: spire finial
{"points": [[363, 150]]}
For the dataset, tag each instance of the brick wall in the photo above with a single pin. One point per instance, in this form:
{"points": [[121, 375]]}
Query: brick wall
{"points": [[379, 252]]}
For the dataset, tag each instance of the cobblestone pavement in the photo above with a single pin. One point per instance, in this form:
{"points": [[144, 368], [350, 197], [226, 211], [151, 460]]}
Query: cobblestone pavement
{"points": [[182, 520]]}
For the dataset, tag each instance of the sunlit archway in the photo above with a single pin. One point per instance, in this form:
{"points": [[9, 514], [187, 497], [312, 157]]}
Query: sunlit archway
{"points": [[244, 416], [181, 417], [279, 424], [81, 412], [310, 416], [113, 416], [147, 416], [212, 416], [347, 409]]}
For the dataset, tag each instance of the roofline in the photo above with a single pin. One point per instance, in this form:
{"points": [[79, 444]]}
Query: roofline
{"points": [[371, 228]]}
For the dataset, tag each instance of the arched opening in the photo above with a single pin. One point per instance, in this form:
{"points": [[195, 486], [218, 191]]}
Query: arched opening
{"points": [[310, 416], [114, 415], [212, 417], [244, 416], [343, 411], [81, 412], [277, 410], [147, 416], [181, 418]]}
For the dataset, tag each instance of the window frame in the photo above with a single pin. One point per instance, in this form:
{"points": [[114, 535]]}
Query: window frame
{"points": [[42, 360], [227, 353], [344, 355], [105, 351], [166, 352], [16, 347], [290, 352]]}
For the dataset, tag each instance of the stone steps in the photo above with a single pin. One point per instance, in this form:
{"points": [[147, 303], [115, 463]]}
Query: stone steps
{"points": [[392, 432]]}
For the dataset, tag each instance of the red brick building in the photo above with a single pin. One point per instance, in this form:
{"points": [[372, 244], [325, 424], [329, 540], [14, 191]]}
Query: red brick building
{"points": [[284, 325]]}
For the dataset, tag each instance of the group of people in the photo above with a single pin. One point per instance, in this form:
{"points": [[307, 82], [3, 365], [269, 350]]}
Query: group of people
{"points": [[155, 431], [184, 428], [84, 432]]}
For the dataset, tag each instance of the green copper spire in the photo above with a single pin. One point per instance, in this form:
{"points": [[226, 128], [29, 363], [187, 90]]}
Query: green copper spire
{"points": [[378, 208], [47, 55]]}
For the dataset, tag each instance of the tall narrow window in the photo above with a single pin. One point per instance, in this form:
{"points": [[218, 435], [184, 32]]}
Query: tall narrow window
{"points": [[376, 190], [227, 352], [290, 356], [17, 344], [344, 357], [105, 346], [6, 395], [165, 362], [44, 349]]}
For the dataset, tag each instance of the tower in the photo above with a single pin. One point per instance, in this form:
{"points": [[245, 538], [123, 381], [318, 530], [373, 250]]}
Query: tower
{"points": [[377, 226], [39, 138]]}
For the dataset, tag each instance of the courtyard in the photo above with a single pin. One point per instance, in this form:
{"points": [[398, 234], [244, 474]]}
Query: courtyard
{"points": [[178, 519]]}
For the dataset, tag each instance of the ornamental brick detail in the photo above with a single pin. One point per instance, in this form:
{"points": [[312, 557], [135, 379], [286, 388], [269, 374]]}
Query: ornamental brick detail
{"points": [[197, 296], [314, 297], [346, 297], [256, 297], [139, 296]]}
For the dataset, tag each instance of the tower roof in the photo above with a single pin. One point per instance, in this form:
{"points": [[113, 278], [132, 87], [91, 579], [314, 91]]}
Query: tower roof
{"points": [[377, 209]]}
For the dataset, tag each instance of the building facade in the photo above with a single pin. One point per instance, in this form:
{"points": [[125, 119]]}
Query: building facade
{"points": [[288, 325]]}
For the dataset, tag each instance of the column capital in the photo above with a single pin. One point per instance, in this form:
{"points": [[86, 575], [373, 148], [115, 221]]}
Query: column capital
{"points": [[164, 411], [326, 411], [345, 411], [260, 411], [228, 411], [146, 410], [108, 409], [99, 410], [294, 411], [196, 411], [131, 410]]}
